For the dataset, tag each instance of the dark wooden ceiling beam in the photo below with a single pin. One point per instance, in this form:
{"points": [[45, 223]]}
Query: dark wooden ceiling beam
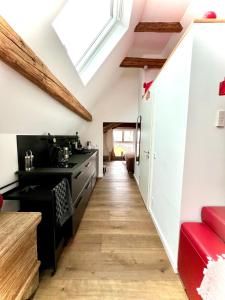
{"points": [[137, 62], [110, 126], [158, 27]]}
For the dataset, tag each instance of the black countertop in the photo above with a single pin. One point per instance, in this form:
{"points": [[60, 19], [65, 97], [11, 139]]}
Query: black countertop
{"points": [[42, 192], [77, 159]]}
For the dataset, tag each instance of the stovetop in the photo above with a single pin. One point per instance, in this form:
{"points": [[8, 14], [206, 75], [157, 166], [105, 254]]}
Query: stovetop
{"points": [[66, 165]]}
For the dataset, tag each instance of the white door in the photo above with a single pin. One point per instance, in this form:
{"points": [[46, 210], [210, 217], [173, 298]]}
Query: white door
{"points": [[146, 108]]}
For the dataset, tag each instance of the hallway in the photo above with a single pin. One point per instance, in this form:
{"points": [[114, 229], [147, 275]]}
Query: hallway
{"points": [[116, 254]]}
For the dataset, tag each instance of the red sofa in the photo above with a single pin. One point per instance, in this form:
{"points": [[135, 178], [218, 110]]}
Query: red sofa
{"points": [[197, 242]]}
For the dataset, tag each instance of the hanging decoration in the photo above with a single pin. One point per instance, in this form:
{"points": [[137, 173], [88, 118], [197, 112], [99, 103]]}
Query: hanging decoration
{"points": [[210, 15], [222, 88], [146, 87]]}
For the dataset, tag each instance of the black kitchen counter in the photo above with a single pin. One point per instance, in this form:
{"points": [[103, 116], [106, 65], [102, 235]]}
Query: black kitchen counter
{"points": [[77, 159], [35, 193]]}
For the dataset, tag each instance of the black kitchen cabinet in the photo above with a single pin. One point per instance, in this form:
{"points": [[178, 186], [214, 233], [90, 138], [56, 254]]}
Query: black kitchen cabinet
{"points": [[81, 177]]}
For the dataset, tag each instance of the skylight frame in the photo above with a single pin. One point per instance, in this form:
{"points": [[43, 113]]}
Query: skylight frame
{"points": [[116, 12], [115, 28]]}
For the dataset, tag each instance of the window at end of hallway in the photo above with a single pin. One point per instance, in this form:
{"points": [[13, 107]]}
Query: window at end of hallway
{"points": [[123, 140]]}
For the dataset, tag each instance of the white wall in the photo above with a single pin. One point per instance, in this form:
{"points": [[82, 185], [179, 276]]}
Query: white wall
{"points": [[107, 142], [8, 166], [204, 170], [195, 10], [170, 95], [105, 147]]}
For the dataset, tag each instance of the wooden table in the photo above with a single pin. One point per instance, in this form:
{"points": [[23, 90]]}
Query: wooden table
{"points": [[19, 275]]}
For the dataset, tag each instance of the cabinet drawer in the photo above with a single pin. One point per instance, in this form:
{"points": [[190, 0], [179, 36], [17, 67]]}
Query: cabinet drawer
{"points": [[80, 205], [87, 190], [93, 180], [78, 181], [78, 210], [80, 178], [89, 167]]}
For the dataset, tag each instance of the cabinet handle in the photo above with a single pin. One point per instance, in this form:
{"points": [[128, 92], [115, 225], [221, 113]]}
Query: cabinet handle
{"points": [[87, 165], [78, 201], [78, 174], [87, 185]]}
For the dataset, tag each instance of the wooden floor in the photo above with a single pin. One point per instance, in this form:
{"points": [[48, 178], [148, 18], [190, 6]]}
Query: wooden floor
{"points": [[116, 254]]}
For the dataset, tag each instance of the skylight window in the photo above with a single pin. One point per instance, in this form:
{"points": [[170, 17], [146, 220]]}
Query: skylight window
{"points": [[83, 27], [97, 21]]}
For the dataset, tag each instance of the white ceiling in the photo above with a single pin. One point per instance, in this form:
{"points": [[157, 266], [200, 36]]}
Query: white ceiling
{"points": [[157, 11], [164, 10]]}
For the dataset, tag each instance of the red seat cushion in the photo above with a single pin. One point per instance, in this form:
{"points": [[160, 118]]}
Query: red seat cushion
{"points": [[214, 217], [197, 241]]}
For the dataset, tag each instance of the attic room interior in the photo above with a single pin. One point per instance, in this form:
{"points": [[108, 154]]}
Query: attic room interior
{"points": [[112, 149]]}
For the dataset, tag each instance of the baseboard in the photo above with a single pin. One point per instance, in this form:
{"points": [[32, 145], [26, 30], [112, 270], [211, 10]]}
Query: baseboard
{"points": [[135, 177], [173, 262]]}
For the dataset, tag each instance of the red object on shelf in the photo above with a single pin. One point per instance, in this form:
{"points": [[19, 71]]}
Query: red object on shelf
{"points": [[222, 88], [147, 85], [1, 201], [210, 15]]}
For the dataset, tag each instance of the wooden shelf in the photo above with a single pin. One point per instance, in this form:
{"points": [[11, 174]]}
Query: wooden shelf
{"points": [[209, 21]]}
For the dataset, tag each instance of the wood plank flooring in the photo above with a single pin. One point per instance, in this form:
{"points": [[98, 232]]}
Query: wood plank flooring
{"points": [[116, 254]]}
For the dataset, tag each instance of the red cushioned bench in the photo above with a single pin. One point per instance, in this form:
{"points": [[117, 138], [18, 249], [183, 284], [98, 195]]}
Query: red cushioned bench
{"points": [[197, 242]]}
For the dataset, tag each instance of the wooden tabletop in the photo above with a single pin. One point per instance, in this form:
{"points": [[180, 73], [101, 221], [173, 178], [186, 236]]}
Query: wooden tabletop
{"points": [[13, 226]]}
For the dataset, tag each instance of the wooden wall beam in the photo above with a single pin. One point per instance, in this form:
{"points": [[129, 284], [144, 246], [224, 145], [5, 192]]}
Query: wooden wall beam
{"points": [[137, 62], [15, 53], [158, 27]]}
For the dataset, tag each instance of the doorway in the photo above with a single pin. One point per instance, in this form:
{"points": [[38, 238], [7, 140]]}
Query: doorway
{"points": [[119, 144]]}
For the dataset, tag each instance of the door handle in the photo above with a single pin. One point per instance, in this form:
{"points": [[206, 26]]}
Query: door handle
{"points": [[75, 177], [147, 152], [86, 187], [78, 202]]}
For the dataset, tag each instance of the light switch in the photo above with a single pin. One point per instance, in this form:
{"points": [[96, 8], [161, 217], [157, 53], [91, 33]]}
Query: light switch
{"points": [[220, 118]]}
